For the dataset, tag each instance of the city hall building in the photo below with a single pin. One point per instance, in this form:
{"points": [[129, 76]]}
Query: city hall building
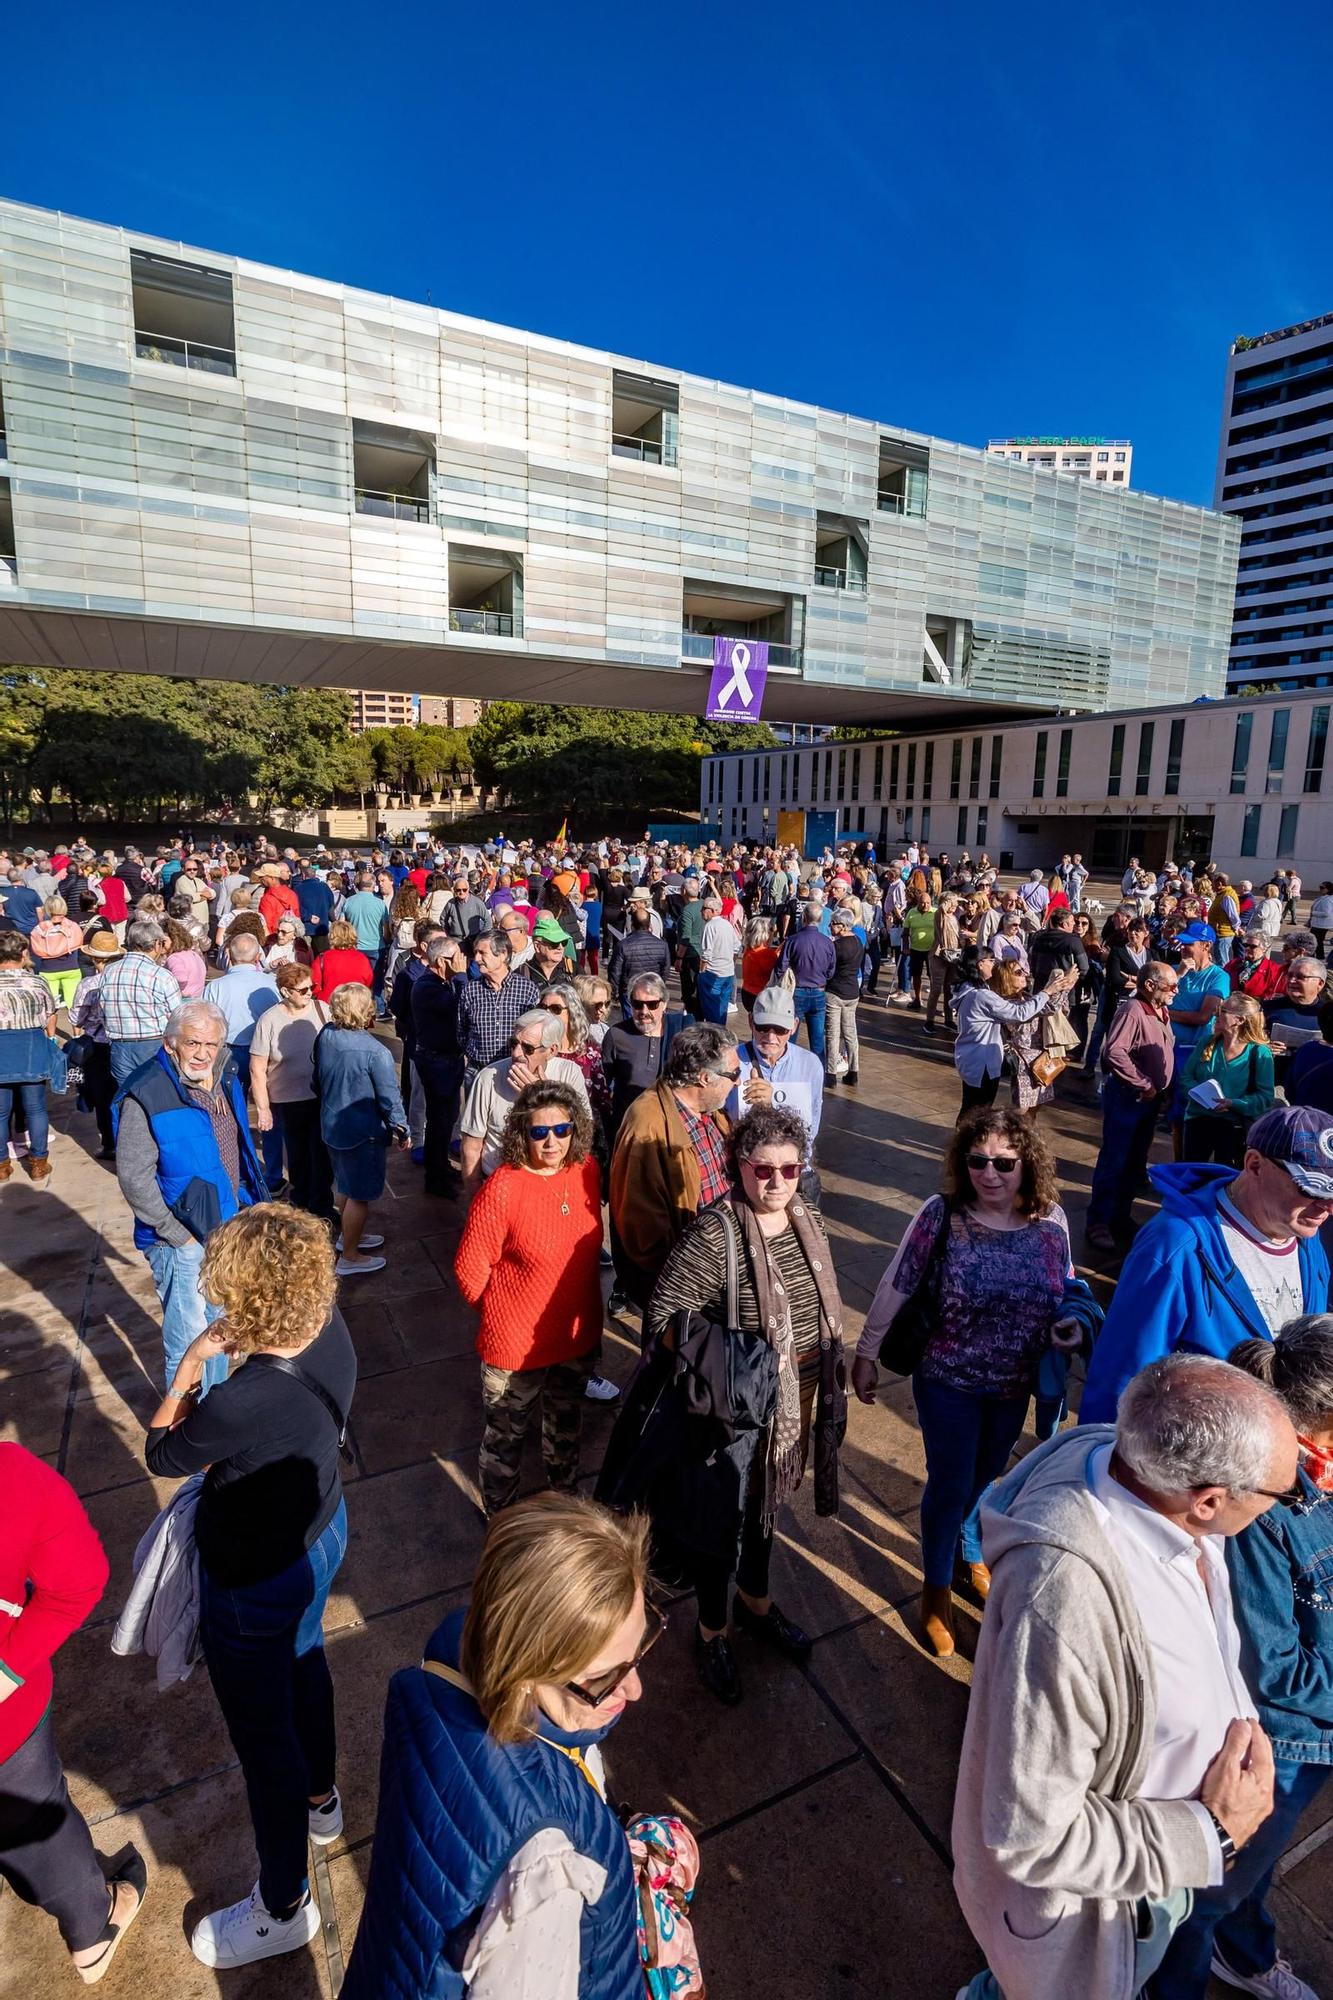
{"points": [[1242, 783], [213, 468]]}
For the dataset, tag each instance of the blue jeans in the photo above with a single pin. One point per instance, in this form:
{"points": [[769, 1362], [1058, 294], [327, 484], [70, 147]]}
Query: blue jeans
{"points": [[29, 1100], [1157, 1925], [1101, 1022], [126, 1057], [1233, 1919], [811, 1003], [185, 1310], [1128, 1124], [968, 1440], [264, 1645], [715, 996]]}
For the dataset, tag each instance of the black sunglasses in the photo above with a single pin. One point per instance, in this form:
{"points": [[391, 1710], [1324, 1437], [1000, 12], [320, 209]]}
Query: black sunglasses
{"points": [[651, 1005], [594, 1692], [561, 1131], [1003, 1163]]}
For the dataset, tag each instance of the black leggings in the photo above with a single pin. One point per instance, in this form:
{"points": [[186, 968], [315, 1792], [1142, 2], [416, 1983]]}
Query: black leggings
{"points": [[975, 1094], [712, 1574], [1209, 1138]]}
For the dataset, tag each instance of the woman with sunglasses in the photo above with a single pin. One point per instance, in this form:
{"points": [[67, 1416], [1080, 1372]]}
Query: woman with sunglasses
{"points": [[992, 1252], [1283, 1603], [561, 998], [530, 1260], [719, 1505], [499, 1867]]}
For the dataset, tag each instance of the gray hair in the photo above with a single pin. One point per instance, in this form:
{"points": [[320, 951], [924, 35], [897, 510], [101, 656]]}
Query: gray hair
{"points": [[189, 1010], [1316, 965], [143, 934], [439, 945], [712, 903], [696, 1053], [565, 990], [243, 948], [552, 1028], [1297, 1363], [650, 983], [1190, 1420], [497, 941], [1154, 976]]}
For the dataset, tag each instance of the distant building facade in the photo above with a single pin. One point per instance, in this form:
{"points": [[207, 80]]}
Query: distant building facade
{"points": [[373, 709], [1105, 461], [448, 711]]}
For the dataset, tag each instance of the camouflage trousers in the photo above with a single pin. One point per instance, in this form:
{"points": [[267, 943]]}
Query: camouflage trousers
{"points": [[508, 1399]]}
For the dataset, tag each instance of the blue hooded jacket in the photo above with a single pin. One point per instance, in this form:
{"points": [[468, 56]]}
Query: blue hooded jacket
{"points": [[1180, 1290]]}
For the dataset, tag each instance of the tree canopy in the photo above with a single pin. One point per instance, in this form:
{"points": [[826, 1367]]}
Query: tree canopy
{"points": [[568, 760]]}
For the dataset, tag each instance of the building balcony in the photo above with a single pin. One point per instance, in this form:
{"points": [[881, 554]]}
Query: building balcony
{"points": [[699, 646], [484, 624], [392, 506], [647, 450], [179, 353], [838, 579]]}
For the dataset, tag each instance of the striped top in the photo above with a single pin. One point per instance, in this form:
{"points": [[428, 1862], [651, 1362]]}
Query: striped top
{"points": [[695, 1280]]}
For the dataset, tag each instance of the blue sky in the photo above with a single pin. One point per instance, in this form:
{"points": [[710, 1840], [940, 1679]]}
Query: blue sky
{"points": [[969, 219]]}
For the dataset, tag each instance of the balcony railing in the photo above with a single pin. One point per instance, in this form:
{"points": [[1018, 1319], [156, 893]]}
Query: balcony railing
{"points": [[699, 646], [393, 506], [838, 579], [184, 353], [897, 503], [491, 624], [649, 450]]}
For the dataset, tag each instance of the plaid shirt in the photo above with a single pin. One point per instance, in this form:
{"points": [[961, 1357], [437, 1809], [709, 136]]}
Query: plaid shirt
{"points": [[25, 1000], [138, 996], [486, 1015], [710, 1149]]}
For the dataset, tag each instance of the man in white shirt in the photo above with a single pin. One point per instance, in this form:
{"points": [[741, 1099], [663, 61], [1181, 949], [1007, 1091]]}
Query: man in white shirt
{"points": [[1111, 1762], [775, 1069], [493, 1091]]}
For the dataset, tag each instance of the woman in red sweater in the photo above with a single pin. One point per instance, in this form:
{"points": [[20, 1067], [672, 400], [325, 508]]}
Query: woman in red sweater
{"points": [[52, 1572], [530, 1258], [341, 964]]}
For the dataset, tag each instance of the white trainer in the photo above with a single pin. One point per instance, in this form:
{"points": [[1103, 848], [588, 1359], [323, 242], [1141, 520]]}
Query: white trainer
{"points": [[247, 1931], [361, 1268], [326, 1821], [369, 1241], [1278, 1983], [598, 1390]]}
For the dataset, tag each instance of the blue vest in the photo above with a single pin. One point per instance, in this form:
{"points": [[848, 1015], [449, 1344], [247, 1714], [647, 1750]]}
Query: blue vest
{"points": [[189, 1169], [455, 1807]]}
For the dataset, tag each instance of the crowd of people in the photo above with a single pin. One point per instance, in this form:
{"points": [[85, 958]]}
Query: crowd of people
{"points": [[613, 1064]]}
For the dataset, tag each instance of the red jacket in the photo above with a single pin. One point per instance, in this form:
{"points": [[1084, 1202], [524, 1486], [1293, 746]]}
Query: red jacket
{"points": [[1264, 981], [341, 967], [278, 901], [115, 906], [52, 1572]]}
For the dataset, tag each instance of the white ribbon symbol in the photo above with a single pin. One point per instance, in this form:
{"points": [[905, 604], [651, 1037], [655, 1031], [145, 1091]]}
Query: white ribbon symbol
{"points": [[739, 684]]}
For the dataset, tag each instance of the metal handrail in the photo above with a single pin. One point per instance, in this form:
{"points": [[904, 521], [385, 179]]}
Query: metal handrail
{"points": [[492, 624], [891, 503], [699, 646], [394, 506], [184, 353], [647, 449], [838, 579]]}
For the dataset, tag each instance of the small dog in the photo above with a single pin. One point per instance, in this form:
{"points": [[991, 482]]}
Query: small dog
{"points": [[1093, 907]]}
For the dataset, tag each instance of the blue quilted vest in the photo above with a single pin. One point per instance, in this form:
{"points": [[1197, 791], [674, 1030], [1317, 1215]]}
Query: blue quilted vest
{"points": [[454, 1808], [189, 1172]]}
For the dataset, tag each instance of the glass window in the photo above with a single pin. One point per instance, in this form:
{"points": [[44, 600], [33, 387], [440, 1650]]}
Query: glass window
{"points": [[1120, 458], [1101, 458], [1286, 831], [1315, 748], [962, 826], [782, 782], [1240, 752], [754, 784], [925, 822], [879, 770], [828, 776], [893, 771], [1249, 832], [1039, 766], [996, 754], [1175, 743], [927, 772], [1277, 749], [911, 770], [974, 769], [856, 774], [768, 778], [1117, 764], [956, 768], [1062, 766], [1144, 772], [983, 817], [907, 824], [842, 775]]}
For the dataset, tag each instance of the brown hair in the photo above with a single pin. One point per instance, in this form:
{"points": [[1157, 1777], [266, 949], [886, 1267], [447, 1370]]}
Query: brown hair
{"points": [[514, 1139], [271, 1269], [1037, 1190], [290, 974], [558, 1574], [178, 937], [1004, 980], [342, 936]]}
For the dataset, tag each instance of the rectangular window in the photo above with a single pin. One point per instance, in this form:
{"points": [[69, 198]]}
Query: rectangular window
{"points": [[1175, 744], [927, 772], [768, 778], [1039, 767], [983, 820], [1116, 767], [828, 776], [1286, 832], [925, 822], [911, 770], [782, 782], [956, 768], [996, 754], [1144, 772], [1249, 832], [1062, 767], [1315, 748], [754, 789], [842, 775], [974, 770], [907, 824], [1240, 752], [1277, 749], [962, 826], [856, 774], [893, 770], [879, 770]]}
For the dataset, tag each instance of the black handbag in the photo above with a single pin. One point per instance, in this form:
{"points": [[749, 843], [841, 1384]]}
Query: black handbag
{"points": [[722, 1372], [917, 1317]]}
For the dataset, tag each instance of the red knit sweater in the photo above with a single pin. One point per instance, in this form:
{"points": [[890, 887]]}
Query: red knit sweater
{"points": [[534, 1272], [52, 1572], [341, 967]]}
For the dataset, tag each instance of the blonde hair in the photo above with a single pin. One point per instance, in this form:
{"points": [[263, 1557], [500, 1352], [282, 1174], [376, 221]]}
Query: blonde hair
{"points": [[1252, 1024], [342, 935], [271, 1269], [557, 1576], [55, 907], [351, 1006]]}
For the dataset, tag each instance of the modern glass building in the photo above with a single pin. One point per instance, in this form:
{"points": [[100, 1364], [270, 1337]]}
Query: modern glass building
{"points": [[215, 468]]}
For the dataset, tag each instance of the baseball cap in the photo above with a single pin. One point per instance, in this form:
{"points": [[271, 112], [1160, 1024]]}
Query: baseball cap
{"points": [[1300, 1139], [547, 928], [775, 1007], [1197, 934]]}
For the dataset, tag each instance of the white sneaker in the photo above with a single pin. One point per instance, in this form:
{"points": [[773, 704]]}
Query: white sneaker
{"points": [[326, 1821], [368, 1242], [1278, 1983], [359, 1269], [247, 1931], [598, 1390]]}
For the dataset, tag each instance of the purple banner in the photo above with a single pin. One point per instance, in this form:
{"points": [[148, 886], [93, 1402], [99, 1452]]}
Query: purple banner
{"points": [[736, 691]]}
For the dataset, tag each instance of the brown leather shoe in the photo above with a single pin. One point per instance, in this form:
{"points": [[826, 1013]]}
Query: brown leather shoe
{"points": [[36, 1170], [937, 1619], [979, 1577], [6, 1168]]}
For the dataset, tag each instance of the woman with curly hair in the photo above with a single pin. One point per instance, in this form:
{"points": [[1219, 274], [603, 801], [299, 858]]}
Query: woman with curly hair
{"points": [[987, 1260], [271, 1530], [530, 1260]]}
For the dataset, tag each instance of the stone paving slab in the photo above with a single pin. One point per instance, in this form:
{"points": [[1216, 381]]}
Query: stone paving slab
{"points": [[822, 1804]]}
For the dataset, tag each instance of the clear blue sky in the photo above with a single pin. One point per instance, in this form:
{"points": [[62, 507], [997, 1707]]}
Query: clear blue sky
{"points": [[969, 219]]}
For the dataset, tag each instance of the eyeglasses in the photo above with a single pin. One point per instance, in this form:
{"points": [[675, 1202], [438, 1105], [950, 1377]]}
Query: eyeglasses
{"points": [[642, 1006], [529, 1048], [1003, 1163], [555, 1006], [732, 1075], [772, 1029], [594, 1692], [561, 1131], [300, 992], [1290, 1496], [789, 1171]]}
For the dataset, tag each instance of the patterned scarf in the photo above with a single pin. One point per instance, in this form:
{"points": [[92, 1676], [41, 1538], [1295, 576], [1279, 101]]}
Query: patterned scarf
{"points": [[1317, 1461], [782, 1470]]}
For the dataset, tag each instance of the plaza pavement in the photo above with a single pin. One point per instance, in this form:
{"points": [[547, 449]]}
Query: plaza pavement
{"points": [[822, 1804]]}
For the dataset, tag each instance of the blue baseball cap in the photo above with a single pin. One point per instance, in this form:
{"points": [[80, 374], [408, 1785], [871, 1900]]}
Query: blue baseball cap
{"points": [[1300, 1139], [1197, 934]]}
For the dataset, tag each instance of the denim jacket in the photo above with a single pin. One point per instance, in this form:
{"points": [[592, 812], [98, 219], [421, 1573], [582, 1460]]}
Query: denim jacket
{"points": [[1282, 1590]]}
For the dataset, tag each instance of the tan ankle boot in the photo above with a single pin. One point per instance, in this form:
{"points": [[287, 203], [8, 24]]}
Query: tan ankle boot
{"points": [[937, 1619], [979, 1577]]}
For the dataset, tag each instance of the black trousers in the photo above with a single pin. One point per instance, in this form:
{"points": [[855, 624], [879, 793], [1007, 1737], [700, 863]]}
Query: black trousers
{"points": [[712, 1574], [1209, 1138], [99, 1088], [442, 1081], [975, 1094], [309, 1168], [46, 1851]]}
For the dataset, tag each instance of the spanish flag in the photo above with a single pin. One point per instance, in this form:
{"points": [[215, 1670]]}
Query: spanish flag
{"points": [[563, 834]]}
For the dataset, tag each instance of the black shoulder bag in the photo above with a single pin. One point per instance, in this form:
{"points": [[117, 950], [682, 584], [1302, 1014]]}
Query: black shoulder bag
{"points": [[918, 1316], [285, 1366], [722, 1371]]}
